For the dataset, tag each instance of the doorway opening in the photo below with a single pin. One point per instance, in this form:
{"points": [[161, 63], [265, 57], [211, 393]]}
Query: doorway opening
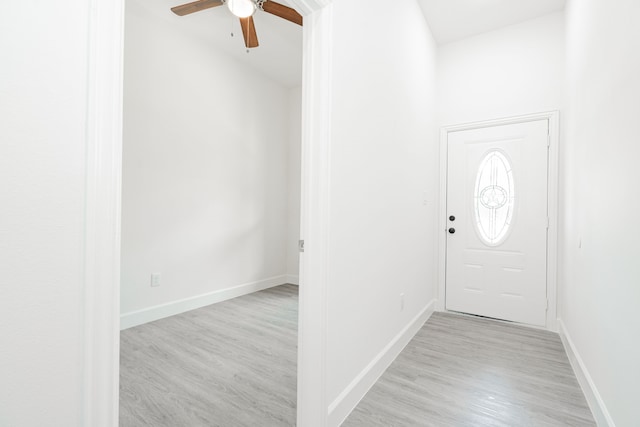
{"points": [[210, 212]]}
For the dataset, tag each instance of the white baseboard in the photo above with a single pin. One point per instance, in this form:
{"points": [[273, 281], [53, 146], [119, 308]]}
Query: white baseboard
{"points": [[139, 317], [598, 408], [342, 406], [293, 279]]}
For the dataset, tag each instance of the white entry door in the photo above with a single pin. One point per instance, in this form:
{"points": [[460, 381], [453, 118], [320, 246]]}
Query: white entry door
{"points": [[497, 222]]}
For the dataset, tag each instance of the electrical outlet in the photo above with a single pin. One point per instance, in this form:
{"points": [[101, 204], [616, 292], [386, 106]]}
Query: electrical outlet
{"points": [[402, 301], [155, 279], [427, 197]]}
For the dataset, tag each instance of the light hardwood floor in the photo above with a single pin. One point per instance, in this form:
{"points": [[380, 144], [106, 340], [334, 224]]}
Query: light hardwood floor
{"points": [[232, 364], [468, 371]]}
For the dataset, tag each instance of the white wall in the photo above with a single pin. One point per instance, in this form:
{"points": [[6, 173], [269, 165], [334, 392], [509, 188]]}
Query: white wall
{"points": [[43, 88], [383, 159], [512, 71], [600, 273], [205, 179], [293, 180]]}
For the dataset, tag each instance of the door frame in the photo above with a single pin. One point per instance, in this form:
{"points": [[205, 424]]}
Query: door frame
{"points": [[552, 204], [312, 406], [100, 327], [101, 293]]}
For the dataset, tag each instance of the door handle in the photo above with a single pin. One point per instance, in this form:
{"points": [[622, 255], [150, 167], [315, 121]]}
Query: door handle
{"points": [[452, 230]]}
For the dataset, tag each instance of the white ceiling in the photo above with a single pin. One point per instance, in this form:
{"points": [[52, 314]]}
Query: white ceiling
{"points": [[452, 20], [279, 55]]}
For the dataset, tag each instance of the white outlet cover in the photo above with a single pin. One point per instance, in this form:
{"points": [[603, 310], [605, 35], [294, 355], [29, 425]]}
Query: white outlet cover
{"points": [[155, 279]]}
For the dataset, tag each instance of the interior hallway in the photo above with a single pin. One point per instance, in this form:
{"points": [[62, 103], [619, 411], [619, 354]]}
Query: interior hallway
{"points": [[469, 371]]}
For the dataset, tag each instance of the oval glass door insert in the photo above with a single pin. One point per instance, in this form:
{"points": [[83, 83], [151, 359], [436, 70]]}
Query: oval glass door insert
{"points": [[494, 198]]}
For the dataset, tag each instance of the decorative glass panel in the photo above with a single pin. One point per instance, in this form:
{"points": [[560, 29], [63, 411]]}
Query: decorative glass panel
{"points": [[494, 198]]}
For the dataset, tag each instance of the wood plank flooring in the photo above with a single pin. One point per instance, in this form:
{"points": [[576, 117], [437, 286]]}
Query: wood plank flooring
{"points": [[232, 364], [469, 371]]}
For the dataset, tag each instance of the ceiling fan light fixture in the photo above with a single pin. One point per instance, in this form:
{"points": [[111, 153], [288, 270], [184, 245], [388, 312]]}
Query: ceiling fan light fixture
{"points": [[241, 8]]}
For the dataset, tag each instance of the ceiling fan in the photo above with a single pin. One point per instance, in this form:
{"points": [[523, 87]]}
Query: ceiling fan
{"points": [[243, 9]]}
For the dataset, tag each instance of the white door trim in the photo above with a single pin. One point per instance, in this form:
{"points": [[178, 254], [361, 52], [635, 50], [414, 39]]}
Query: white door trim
{"points": [[103, 201], [101, 300], [552, 194], [314, 212]]}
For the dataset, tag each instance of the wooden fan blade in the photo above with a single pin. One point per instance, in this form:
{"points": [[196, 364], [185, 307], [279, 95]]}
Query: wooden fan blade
{"points": [[249, 32], [282, 11], [195, 6]]}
